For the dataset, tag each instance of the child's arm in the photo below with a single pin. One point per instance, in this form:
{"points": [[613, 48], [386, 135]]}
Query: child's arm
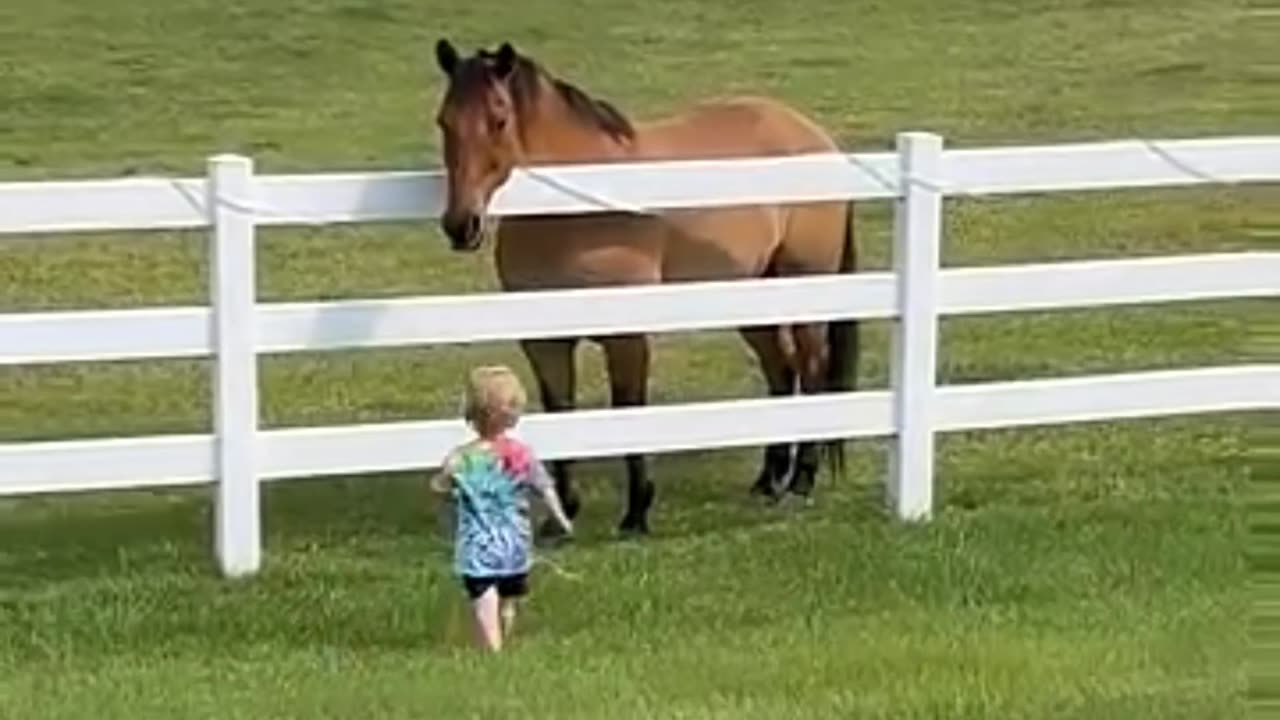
{"points": [[542, 481], [552, 499], [442, 481]]}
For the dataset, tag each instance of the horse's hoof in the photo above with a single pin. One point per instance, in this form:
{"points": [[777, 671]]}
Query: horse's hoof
{"points": [[633, 528], [767, 490], [800, 484], [801, 500]]}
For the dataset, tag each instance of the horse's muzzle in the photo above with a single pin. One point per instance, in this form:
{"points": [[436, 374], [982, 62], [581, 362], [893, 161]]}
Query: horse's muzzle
{"points": [[465, 232]]}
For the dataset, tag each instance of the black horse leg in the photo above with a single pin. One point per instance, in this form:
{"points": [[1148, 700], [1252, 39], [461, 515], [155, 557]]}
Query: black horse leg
{"points": [[812, 362], [552, 362], [805, 471], [773, 471], [627, 357], [781, 379]]}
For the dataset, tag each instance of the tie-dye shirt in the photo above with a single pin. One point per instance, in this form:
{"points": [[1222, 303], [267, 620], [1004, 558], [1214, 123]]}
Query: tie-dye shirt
{"points": [[491, 487]]}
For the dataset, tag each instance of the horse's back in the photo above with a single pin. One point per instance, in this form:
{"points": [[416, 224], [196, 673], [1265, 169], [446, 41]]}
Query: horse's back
{"points": [[746, 241], [692, 244], [743, 126]]}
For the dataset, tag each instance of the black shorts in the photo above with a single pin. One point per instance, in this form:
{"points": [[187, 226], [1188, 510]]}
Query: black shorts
{"points": [[508, 585]]}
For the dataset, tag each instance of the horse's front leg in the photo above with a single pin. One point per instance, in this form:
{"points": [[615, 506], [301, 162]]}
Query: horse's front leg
{"points": [[552, 363], [627, 359]]}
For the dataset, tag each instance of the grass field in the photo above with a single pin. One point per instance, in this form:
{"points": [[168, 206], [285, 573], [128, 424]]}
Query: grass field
{"points": [[1091, 571]]}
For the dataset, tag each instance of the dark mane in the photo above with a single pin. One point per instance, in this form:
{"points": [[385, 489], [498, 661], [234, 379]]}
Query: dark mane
{"points": [[601, 112], [526, 85]]}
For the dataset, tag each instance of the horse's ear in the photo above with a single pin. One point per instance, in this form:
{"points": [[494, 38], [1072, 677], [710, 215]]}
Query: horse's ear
{"points": [[505, 61], [446, 56]]}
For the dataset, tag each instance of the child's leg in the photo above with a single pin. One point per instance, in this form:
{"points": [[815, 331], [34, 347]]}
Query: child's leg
{"points": [[487, 624], [509, 606], [511, 589]]}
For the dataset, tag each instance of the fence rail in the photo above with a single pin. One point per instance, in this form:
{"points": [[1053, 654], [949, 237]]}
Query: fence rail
{"points": [[285, 327], [234, 329], [323, 198], [176, 460]]}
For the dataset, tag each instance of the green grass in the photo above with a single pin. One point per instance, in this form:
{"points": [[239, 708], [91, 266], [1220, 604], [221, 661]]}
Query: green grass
{"points": [[1080, 571]]}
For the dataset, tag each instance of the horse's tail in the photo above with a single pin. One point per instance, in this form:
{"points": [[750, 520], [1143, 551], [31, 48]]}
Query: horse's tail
{"points": [[842, 346]]}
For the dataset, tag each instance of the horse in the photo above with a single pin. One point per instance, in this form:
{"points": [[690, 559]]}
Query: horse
{"points": [[502, 110]]}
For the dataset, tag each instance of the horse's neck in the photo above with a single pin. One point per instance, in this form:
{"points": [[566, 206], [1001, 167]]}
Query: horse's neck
{"points": [[572, 147], [552, 136]]}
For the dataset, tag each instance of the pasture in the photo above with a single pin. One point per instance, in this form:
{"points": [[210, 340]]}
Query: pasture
{"points": [[1071, 570]]}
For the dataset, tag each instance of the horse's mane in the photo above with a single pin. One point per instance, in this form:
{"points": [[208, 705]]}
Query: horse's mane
{"points": [[526, 85], [601, 112]]}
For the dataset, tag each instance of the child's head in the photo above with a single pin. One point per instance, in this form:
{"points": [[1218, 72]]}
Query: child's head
{"points": [[495, 398]]}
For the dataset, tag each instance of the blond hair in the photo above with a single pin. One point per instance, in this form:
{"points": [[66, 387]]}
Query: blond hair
{"points": [[494, 399]]}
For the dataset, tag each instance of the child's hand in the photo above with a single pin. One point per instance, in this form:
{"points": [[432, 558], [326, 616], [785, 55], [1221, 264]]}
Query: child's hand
{"points": [[564, 522], [552, 499], [442, 481], [557, 529]]}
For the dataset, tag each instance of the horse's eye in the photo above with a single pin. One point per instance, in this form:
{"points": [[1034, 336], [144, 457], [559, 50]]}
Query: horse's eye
{"points": [[498, 123]]}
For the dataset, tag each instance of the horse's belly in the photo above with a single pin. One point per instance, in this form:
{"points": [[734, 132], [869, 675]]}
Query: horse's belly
{"points": [[592, 251], [720, 244]]}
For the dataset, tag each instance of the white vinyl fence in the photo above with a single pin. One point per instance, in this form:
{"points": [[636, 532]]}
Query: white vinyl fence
{"points": [[234, 329]]}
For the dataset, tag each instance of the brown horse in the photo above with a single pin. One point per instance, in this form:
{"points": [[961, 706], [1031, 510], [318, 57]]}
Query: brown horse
{"points": [[502, 110]]}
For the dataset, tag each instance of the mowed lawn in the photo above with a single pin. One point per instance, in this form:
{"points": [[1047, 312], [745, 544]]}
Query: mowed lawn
{"points": [[1087, 571]]}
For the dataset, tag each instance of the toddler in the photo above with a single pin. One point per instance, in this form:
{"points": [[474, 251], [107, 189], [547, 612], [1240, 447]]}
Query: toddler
{"points": [[490, 480]]}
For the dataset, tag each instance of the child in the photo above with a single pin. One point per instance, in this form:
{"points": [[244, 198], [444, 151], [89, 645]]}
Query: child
{"points": [[489, 480]]}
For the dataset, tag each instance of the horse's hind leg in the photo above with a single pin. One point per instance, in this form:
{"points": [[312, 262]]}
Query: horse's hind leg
{"points": [[627, 358], [819, 240], [552, 362], [811, 361], [781, 380]]}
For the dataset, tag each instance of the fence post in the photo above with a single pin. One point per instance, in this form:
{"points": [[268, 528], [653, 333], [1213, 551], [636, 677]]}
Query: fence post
{"points": [[916, 252], [237, 531]]}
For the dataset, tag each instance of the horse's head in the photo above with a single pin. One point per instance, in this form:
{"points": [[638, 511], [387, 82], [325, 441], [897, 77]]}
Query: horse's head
{"points": [[480, 140]]}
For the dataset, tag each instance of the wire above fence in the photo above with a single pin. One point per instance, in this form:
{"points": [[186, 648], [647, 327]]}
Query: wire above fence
{"points": [[641, 187]]}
